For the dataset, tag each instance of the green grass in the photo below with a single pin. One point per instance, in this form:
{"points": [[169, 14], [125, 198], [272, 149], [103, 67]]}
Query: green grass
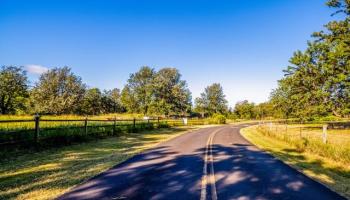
{"points": [[47, 174], [323, 167]]}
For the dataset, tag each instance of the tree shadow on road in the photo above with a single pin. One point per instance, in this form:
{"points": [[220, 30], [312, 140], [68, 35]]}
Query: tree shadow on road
{"points": [[241, 172]]}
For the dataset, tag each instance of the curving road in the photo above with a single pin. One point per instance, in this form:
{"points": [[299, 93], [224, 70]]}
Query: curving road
{"points": [[211, 163]]}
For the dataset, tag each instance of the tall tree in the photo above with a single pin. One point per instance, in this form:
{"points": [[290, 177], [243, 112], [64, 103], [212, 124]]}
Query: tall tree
{"points": [[58, 91], [137, 94], [212, 100], [245, 110], [318, 80], [128, 100], [111, 101], [92, 102], [200, 106], [171, 94], [13, 89]]}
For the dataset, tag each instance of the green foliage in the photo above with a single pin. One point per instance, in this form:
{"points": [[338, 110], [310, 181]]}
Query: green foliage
{"points": [[318, 81], [211, 101], [217, 119], [151, 92], [137, 94], [92, 102], [58, 91], [111, 101], [163, 125], [13, 89], [245, 110], [171, 95]]}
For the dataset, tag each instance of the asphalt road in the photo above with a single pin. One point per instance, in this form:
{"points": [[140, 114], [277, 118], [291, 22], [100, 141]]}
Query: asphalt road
{"points": [[211, 163]]}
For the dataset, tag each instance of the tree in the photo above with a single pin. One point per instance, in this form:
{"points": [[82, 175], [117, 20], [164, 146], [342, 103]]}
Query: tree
{"points": [[138, 92], [171, 95], [282, 100], [264, 110], [128, 100], [317, 83], [58, 91], [200, 106], [245, 110], [111, 101], [212, 100], [92, 102], [13, 89]]}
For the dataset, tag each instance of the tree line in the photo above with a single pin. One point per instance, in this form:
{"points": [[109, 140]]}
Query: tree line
{"points": [[147, 91], [60, 91]]}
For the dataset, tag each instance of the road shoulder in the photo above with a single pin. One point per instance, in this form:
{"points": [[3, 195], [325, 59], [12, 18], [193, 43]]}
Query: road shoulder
{"points": [[331, 174]]}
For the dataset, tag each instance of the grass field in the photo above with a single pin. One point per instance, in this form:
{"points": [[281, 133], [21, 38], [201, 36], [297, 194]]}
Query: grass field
{"points": [[313, 158], [49, 173]]}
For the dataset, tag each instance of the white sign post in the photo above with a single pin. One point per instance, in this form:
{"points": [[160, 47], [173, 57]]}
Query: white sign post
{"points": [[184, 120], [324, 135]]}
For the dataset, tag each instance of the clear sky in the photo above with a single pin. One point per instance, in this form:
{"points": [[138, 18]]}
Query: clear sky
{"points": [[242, 44]]}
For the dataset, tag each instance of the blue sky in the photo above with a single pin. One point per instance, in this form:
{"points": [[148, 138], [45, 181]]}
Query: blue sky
{"points": [[244, 45]]}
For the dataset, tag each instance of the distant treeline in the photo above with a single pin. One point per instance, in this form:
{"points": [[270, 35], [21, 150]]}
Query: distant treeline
{"points": [[60, 91], [149, 92]]}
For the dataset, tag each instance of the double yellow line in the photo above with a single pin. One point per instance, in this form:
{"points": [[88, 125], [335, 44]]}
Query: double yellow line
{"points": [[209, 179]]}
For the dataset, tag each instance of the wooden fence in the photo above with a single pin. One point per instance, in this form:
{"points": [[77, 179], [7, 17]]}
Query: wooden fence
{"points": [[39, 130]]}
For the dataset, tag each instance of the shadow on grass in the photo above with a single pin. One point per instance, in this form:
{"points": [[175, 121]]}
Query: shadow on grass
{"points": [[59, 168], [163, 172]]}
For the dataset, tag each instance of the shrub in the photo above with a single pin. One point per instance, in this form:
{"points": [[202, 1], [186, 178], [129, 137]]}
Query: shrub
{"points": [[217, 119], [163, 125]]}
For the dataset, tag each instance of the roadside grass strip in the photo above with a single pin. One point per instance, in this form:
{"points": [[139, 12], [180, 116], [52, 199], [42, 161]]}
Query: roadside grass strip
{"points": [[329, 171], [48, 174]]}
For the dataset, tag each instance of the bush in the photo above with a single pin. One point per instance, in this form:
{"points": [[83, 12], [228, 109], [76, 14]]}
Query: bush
{"points": [[163, 125], [217, 119]]}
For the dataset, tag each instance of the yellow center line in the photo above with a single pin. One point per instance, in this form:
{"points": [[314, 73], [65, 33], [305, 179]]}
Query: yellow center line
{"points": [[208, 157], [212, 173]]}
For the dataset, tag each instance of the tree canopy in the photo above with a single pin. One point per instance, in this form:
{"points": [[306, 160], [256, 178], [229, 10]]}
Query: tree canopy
{"points": [[138, 92], [13, 89], [58, 91], [171, 95], [317, 83], [212, 100]]}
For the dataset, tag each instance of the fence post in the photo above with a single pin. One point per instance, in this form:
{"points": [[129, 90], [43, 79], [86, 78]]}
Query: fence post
{"points": [[134, 124], [86, 126], [114, 124], [324, 135], [37, 128], [300, 129], [286, 126]]}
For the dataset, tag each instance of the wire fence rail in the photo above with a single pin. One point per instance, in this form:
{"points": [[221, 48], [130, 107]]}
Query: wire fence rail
{"points": [[36, 131], [329, 139]]}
